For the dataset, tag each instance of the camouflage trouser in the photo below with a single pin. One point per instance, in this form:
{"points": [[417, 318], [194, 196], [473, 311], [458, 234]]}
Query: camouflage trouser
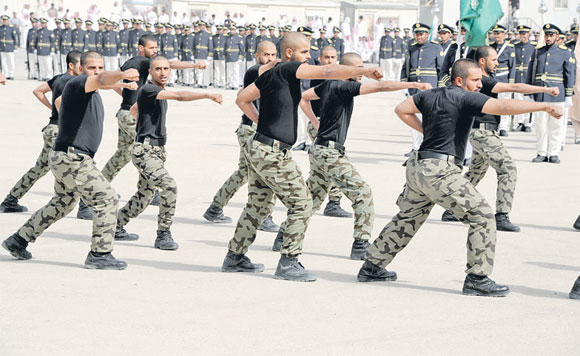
{"points": [[240, 176], [334, 193], [273, 172], [149, 161], [126, 138], [429, 182], [49, 133], [488, 150], [329, 167], [76, 175]]}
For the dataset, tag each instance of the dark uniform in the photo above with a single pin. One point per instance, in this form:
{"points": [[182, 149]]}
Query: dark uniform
{"points": [[219, 58], [186, 54], [399, 50], [31, 58], [111, 45], [78, 37], [9, 40], [337, 42], [234, 49], [202, 51], [90, 40], [322, 42], [44, 44], [525, 53], [386, 55], [449, 53], [134, 36], [65, 45], [250, 47], [56, 65], [124, 43]]}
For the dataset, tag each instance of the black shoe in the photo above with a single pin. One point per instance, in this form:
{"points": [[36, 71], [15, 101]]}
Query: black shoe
{"points": [[269, 225], [240, 263], [291, 270], [85, 212], [369, 272], [333, 209], [575, 292], [103, 261], [16, 245], [554, 159], [216, 215], [164, 241], [408, 154], [448, 216], [483, 286], [155, 201], [10, 205], [577, 223], [527, 129], [521, 127], [358, 249], [300, 147], [122, 235], [277, 246], [503, 223], [503, 133], [540, 158], [466, 162]]}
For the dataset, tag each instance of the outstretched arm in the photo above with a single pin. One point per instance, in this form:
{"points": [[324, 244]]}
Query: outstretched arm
{"points": [[186, 65], [306, 106], [97, 82], [516, 107], [336, 71], [118, 86], [386, 85], [245, 99], [188, 96], [524, 89], [2, 79], [406, 112], [40, 94]]}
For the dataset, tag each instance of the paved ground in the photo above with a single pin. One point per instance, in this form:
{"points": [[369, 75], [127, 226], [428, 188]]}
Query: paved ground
{"points": [[179, 303]]}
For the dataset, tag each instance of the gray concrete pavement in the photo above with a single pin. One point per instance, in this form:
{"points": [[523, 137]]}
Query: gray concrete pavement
{"points": [[179, 303]]}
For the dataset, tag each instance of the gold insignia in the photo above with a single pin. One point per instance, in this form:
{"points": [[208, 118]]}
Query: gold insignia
{"points": [[441, 53], [513, 54], [441, 26], [417, 25], [547, 25]]}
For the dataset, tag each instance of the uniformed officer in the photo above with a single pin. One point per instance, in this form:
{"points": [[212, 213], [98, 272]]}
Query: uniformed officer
{"points": [[322, 41], [168, 48], [272, 33], [148, 30], [90, 37], [134, 36], [78, 36], [386, 54], [186, 50], [571, 44], [219, 57], [159, 30], [262, 37], [250, 47], [65, 43], [525, 51], [111, 45], [56, 65], [552, 66], [337, 42], [506, 69], [100, 33], [314, 49], [407, 39], [44, 44], [234, 49], [31, 58], [242, 62], [423, 61], [9, 41], [124, 42], [202, 51], [399, 49], [449, 50]]}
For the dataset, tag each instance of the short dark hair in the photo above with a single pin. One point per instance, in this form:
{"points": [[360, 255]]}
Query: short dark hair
{"points": [[461, 68], [87, 55], [146, 38], [73, 57], [483, 52], [156, 59]]}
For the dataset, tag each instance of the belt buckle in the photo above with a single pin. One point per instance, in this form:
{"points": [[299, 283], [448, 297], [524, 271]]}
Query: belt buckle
{"points": [[276, 144], [482, 126]]}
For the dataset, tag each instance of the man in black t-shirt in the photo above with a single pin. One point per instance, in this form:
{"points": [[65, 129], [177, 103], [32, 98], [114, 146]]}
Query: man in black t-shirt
{"points": [[271, 168], [148, 152], [49, 132], [488, 149], [265, 53], [434, 177], [328, 162], [80, 129]]}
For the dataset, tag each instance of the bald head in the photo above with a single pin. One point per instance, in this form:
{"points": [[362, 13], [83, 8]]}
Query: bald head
{"points": [[351, 59], [328, 50], [158, 59], [328, 55], [293, 40], [265, 46], [88, 55]]}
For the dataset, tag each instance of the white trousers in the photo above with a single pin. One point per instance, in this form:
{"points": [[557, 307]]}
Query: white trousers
{"points": [[383, 65], [506, 121], [63, 66], [548, 133], [523, 118], [45, 66], [8, 65], [397, 67], [111, 63], [242, 71], [188, 75], [32, 64], [219, 74], [301, 130], [564, 125], [233, 74], [387, 68], [173, 73], [209, 71], [202, 74], [56, 67], [250, 63], [123, 59]]}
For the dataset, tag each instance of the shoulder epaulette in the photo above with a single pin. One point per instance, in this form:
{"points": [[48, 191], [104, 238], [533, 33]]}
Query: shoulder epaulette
{"points": [[516, 42], [453, 42], [563, 47], [534, 43], [314, 48], [510, 44], [435, 41]]}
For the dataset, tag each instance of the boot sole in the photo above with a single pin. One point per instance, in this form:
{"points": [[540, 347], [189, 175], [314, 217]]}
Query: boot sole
{"points": [[8, 211], [358, 257], [239, 270], [574, 295], [269, 229], [480, 294], [450, 220], [217, 221], [126, 238], [337, 215], [372, 279], [84, 218], [508, 230], [303, 279], [13, 254], [167, 249], [105, 268]]}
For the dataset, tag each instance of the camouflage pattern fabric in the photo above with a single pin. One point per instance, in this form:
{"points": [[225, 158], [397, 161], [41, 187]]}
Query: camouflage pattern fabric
{"points": [[273, 172], [488, 150], [122, 156], [49, 133], [76, 175], [429, 182], [334, 193], [149, 161]]}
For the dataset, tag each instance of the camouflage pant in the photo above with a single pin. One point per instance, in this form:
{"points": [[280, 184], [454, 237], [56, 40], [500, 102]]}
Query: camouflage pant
{"points": [[240, 176], [334, 192], [488, 150], [273, 172], [429, 182], [328, 167], [76, 175], [49, 133], [149, 161], [126, 138]]}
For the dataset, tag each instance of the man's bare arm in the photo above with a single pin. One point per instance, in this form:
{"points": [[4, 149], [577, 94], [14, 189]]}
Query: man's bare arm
{"points": [[268, 66], [386, 85], [57, 103], [524, 89], [188, 96], [40, 94], [516, 107], [336, 71], [2, 79], [406, 112], [245, 99], [134, 111], [96, 82], [306, 106], [186, 65], [118, 86]]}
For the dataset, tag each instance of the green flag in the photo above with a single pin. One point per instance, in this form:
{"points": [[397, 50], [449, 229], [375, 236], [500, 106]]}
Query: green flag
{"points": [[478, 17]]}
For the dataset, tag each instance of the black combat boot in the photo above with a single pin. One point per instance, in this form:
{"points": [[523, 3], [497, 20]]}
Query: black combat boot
{"points": [[358, 250], [503, 133], [85, 212], [483, 286], [333, 209], [240, 263], [10, 205], [16, 245], [577, 223], [540, 158], [164, 241], [155, 200], [216, 215], [278, 241], [103, 260], [503, 223], [575, 292], [448, 216], [269, 225], [291, 270], [554, 159], [122, 235], [369, 272]]}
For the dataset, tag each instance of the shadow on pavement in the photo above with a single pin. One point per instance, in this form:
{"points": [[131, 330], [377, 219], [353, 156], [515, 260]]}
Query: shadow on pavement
{"points": [[172, 266], [555, 266], [537, 292]]}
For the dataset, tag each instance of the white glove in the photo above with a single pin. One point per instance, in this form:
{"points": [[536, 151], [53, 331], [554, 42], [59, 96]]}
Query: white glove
{"points": [[568, 102]]}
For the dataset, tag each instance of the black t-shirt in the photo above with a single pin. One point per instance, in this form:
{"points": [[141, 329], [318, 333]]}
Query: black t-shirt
{"points": [[336, 104], [316, 103], [57, 84], [249, 78], [151, 120], [279, 98], [487, 86], [142, 65], [80, 123], [448, 115]]}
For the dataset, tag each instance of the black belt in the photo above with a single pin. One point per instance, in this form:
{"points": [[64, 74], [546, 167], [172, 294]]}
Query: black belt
{"points": [[485, 126], [330, 144], [441, 156], [246, 121], [271, 142], [71, 149], [152, 141]]}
